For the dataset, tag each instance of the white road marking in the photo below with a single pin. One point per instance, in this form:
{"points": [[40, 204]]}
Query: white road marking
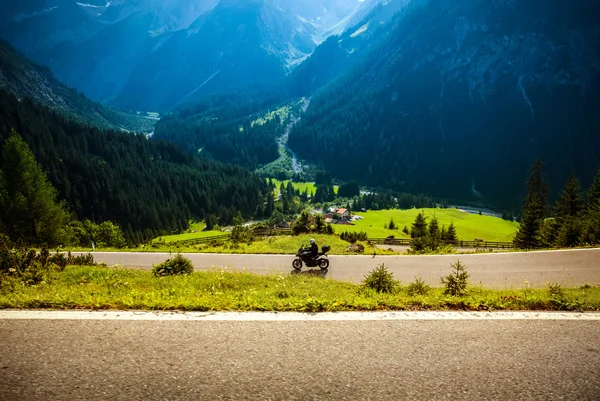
{"points": [[287, 316]]}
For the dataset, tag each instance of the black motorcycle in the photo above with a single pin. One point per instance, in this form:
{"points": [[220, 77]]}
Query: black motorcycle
{"points": [[319, 260]]}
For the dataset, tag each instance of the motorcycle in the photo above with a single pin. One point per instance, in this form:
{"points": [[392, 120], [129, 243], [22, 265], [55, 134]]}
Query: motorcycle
{"points": [[304, 256]]}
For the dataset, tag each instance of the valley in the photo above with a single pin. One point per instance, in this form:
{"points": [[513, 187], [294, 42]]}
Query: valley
{"points": [[252, 199], [263, 110]]}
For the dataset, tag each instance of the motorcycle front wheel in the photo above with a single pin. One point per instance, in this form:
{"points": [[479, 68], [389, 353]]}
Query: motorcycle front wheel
{"points": [[324, 264], [297, 264]]}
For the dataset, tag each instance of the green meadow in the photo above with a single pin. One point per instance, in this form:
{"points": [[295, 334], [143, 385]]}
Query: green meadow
{"points": [[195, 231], [301, 186], [468, 226]]}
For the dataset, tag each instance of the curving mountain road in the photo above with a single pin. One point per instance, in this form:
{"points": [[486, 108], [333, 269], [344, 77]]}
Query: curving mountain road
{"points": [[496, 270]]}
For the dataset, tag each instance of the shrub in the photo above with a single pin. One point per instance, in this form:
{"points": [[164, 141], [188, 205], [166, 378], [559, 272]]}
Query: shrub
{"points": [[353, 237], [559, 299], [356, 248], [456, 282], [380, 280], [81, 260], [178, 265], [418, 287]]}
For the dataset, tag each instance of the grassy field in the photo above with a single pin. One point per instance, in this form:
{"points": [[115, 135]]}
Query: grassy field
{"points": [[302, 186], [195, 231], [468, 226], [123, 289], [284, 244]]}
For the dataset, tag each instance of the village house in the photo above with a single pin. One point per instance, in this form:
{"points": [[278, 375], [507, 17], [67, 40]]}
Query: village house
{"points": [[337, 216], [344, 214]]}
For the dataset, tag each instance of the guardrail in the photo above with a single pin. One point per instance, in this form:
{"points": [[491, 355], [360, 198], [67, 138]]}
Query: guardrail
{"points": [[458, 244]]}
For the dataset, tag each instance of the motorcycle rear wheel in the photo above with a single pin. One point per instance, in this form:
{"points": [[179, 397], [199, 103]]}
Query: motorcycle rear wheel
{"points": [[297, 264], [324, 264]]}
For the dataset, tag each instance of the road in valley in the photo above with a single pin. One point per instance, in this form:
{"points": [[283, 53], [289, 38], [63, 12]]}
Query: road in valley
{"points": [[494, 270], [473, 359]]}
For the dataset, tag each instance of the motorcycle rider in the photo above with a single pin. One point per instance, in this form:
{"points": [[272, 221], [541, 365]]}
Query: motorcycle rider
{"points": [[314, 249]]}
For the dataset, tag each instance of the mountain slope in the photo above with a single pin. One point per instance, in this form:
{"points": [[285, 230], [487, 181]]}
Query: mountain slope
{"points": [[152, 54], [352, 40], [462, 96], [26, 79], [149, 188]]}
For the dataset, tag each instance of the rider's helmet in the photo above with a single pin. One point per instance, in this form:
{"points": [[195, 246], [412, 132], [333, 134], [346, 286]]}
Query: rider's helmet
{"points": [[312, 241]]}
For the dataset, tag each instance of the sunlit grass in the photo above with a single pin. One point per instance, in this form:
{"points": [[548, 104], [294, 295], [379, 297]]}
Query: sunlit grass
{"points": [[195, 231], [283, 244], [301, 186], [468, 226], [123, 289]]}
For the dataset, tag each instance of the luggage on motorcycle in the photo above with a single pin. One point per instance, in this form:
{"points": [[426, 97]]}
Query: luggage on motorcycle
{"points": [[326, 248]]}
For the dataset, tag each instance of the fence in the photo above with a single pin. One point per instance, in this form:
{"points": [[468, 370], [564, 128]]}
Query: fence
{"points": [[204, 240], [225, 237], [272, 231], [457, 244]]}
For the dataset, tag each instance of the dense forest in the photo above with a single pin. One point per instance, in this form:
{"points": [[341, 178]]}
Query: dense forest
{"points": [[147, 187], [460, 98], [230, 127]]}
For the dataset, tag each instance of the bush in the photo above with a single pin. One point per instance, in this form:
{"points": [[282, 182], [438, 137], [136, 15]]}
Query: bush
{"points": [[353, 237], [176, 266], [456, 282], [418, 287], [356, 248], [31, 268], [380, 280], [22, 263]]}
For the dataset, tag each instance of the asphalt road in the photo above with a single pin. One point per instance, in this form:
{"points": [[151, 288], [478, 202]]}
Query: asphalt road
{"points": [[496, 270], [379, 360]]}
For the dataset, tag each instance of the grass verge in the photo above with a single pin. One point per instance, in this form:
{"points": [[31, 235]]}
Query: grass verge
{"points": [[123, 289], [277, 245]]}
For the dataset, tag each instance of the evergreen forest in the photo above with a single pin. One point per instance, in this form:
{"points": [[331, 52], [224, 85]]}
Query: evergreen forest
{"points": [[147, 187]]}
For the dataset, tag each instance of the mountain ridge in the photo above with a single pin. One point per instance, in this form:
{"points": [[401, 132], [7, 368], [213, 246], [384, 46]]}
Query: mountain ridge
{"points": [[23, 78]]}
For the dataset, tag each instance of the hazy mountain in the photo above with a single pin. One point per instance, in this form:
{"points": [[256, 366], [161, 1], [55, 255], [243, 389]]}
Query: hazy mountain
{"points": [[25, 79], [461, 96], [154, 54], [355, 36]]}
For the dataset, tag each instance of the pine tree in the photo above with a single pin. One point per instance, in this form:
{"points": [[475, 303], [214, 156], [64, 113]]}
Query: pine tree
{"points": [[570, 203], [593, 195], [451, 233], [534, 210], [566, 214], [419, 233], [591, 228], [29, 208], [392, 225], [433, 234]]}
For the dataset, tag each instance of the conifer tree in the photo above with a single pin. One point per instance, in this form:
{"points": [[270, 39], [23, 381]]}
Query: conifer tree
{"points": [[570, 203], [451, 233], [566, 215], [29, 207], [392, 225], [534, 210], [418, 233], [433, 234], [591, 228]]}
